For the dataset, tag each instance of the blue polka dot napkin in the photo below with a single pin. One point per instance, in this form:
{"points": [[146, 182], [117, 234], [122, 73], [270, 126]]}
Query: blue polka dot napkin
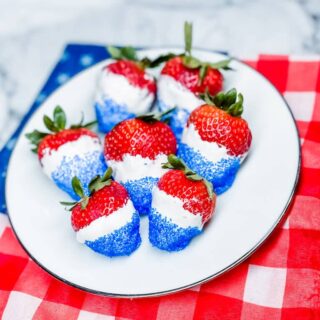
{"points": [[75, 58]]}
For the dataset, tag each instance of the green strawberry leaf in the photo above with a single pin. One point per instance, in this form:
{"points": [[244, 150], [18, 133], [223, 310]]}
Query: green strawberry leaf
{"points": [[107, 175], [77, 187], [230, 101], [59, 117], [209, 187], [129, 53], [223, 64], [114, 52], [191, 62], [202, 73], [148, 63], [126, 53], [176, 162], [153, 117], [49, 124], [84, 202], [36, 136]]}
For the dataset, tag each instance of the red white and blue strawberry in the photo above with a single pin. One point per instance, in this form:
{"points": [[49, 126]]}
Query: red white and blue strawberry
{"points": [[135, 149], [105, 220], [125, 89], [182, 202], [183, 78], [216, 139], [68, 152]]}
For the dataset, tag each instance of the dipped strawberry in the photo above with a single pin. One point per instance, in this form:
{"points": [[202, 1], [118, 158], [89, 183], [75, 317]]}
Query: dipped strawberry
{"points": [[135, 149], [217, 139], [182, 202], [183, 78], [125, 89], [68, 152], [105, 220]]}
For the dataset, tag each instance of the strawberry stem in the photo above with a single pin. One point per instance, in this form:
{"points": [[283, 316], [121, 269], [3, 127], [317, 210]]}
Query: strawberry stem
{"points": [[187, 38]]}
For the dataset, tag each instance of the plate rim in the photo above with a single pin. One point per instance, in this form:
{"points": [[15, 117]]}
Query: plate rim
{"points": [[222, 271]]}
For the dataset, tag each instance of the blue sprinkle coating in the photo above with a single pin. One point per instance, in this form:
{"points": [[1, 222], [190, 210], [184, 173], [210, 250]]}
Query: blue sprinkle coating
{"points": [[178, 118], [168, 236], [140, 192], [121, 242], [85, 167], [221, 174], [109, 113]]}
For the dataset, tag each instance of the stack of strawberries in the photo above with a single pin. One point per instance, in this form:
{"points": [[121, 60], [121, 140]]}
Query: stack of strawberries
{"points": [[168, 165]]}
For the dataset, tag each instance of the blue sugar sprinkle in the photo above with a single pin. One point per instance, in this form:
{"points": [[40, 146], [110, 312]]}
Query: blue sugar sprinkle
{"points": [[109, 113], [85, 168], [140, 192], [221, 174], [168, 236], [178, 118], [121, 242]]}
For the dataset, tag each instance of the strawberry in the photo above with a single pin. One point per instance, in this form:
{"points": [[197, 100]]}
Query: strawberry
{"points": [[183, 79], [182, 203], [125, 88], [216, 139], [135, 148], [66, 152], [105, 220]]}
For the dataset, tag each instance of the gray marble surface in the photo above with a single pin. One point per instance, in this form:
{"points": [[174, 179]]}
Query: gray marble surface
{"points": [[34, 32]]}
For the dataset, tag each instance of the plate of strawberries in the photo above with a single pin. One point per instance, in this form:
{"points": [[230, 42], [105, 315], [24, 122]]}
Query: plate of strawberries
{"points": [[153, 171]]}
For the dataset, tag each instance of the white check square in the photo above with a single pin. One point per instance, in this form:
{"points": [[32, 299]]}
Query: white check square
{"points": [[265, 286], [301, 104]]}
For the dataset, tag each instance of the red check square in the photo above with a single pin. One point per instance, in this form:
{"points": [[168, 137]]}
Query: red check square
{"points": [[9, 245], [305, 213], [178, 306], [304, 249], [230, 285], [33, 280], [309, 182], [275, 69], [60, 292], [302, 75], [274, 252], [214, 306], [11, 267], [254, 312], [302, 288], [143, 308], [56, 311]]}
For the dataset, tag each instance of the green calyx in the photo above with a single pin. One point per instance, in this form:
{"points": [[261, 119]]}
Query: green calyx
{"points": [[193, 63], [55, 124], [96, 184], [129, 53], [154, 117], [176, 163], [230, 101]]}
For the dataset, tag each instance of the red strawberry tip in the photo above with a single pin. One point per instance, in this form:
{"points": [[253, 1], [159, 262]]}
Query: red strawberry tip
{"points": [[178, 164]]}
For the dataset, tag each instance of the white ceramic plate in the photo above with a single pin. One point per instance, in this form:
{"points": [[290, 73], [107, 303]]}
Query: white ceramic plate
{"points": [[245, 215]]}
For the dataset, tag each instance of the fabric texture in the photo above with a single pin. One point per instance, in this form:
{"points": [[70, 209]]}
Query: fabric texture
{"points": [[281, 280]]}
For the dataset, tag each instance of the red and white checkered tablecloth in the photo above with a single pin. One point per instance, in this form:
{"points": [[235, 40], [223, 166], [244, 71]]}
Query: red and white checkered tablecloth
{"points": [[280, 281]]}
